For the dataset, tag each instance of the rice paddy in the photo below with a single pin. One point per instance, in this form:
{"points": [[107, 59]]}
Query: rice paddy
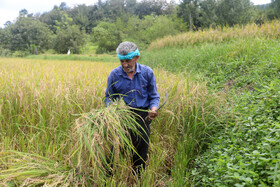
{"points": [[47, 136]]}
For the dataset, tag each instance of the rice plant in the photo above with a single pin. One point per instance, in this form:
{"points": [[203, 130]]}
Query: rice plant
{"points": [[103, 145], [266, 30], [56, 130]]}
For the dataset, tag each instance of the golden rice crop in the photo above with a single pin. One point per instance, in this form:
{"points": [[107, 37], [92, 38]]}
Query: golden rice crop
{"points": [[268, 29], [103, 143], [52, 117]]}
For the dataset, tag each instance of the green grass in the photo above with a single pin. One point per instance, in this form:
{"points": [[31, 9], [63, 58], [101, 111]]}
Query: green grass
{"points": [[90, 58], [246, 152], [240, 61]]}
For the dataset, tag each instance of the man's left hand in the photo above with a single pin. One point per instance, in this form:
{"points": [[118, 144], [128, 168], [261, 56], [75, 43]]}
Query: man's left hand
{"points": [[153, 113]]}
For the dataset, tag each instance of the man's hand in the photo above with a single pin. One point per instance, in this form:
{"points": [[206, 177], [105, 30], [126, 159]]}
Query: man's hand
{"points": [[153, 113]]}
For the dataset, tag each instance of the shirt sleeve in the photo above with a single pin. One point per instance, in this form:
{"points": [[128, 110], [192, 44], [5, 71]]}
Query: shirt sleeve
{"points": [[153, 95], [109, 91]]}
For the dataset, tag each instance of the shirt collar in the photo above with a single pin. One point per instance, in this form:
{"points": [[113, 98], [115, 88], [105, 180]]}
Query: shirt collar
{"points": [[137, 68]]}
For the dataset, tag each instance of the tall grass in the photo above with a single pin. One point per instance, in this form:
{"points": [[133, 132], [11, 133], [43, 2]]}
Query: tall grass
{"points": [[239, 62], [247, 67], [267, 30], [41, 100]]}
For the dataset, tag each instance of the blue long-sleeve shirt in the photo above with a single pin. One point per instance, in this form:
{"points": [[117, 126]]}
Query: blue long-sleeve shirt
{"points": [[140, 92]]}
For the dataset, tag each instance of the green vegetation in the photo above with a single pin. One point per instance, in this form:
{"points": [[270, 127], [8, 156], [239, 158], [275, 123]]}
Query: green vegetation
{"points": [[246, 151], [212, 36], [95, 58], [105, 24]]}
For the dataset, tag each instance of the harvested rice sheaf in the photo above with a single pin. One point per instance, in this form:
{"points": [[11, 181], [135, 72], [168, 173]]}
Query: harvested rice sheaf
{"points": [[103, 136]]}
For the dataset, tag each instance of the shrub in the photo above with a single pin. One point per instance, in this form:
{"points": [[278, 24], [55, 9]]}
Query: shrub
{"points": [[20, 53], [70, 38], [107, 36]]}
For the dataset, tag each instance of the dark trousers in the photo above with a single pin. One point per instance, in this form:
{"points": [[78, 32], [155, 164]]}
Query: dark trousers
{"points": [[141, 140]]}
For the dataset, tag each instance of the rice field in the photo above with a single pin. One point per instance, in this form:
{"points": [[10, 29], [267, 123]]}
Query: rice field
{"points": [[266, 30], [47, 108]]}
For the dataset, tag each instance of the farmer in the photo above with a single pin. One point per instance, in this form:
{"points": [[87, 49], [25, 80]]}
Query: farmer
{"points": [[136, 85]]}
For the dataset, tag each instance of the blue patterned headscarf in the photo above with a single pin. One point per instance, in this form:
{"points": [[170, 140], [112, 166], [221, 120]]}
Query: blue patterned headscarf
{"points": [[127, 50], [130, 55]]}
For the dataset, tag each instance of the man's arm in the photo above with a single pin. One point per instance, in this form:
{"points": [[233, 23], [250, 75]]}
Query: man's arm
{"points": [[153, 96], [109, 91]]}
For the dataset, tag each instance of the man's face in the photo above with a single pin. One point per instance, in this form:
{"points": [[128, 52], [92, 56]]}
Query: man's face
{"points": [[128, 66]]}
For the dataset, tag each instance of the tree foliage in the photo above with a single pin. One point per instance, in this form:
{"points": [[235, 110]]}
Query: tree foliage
{"points": [[190, 12], [56, 19], [70, 38], [231, 12], [81, 17], [202, 14], [26, 34], [109, 22], [107, 36], [276, 7]]}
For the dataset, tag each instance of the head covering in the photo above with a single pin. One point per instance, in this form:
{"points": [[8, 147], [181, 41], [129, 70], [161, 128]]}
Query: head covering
{"points": [[127, 50]]}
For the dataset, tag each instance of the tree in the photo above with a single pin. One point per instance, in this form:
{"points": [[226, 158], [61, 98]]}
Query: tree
{"points": [[5, 37], [276, 6], [70, 38], [155, 7], [63, 6], [208, 13], [159, 28], [80, 16], [189, 11], [144, 31], [7, 24], [231, 12], [56, 19], [108, 37], [23, 13], [96, 14], [27, 33]]}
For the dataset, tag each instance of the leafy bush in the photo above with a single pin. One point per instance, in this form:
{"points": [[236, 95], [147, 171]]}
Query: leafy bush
{"points": [[70, 38], [248, 152], [131, 28], [25, 33], [107, 36], [20, 53], [5, 52]]}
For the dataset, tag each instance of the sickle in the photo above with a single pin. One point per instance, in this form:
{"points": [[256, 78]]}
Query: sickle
{"points": [[147, 119], [163, 102]]}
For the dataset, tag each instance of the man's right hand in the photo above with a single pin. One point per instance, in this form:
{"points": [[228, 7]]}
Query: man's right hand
{"points": [[153, 113]]}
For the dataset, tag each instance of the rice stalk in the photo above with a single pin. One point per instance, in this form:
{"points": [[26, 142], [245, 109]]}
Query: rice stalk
{"points": [[103, 141], [266, 30], [26, 168]]}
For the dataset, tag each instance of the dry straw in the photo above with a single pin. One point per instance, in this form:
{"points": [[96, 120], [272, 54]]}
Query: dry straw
{"points": [[26, 169], [103, 142]]}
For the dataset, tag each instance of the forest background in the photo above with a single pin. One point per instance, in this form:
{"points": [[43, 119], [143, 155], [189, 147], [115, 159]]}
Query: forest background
{"points": [[100, 28]]}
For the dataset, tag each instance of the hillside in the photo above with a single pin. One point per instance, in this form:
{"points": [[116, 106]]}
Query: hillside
{"points": [[246, 68]]}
